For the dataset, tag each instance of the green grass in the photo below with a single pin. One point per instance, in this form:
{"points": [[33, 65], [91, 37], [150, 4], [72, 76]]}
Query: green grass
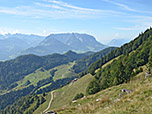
{"points": [[65, 95], [137, 102], [45, 86], [35, 77], [63, 71]]}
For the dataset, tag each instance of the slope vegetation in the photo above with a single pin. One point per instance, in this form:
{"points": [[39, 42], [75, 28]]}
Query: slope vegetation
{"points": [[16, 69], [83, 64], [66, 94], [126, 66], [109, 101]]}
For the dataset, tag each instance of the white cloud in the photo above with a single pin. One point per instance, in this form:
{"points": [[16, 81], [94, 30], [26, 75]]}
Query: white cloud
{"points": [[56, 10], [71, 6], [122, 6]]}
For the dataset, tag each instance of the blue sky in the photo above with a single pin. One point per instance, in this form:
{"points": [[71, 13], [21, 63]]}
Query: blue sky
{"points": [[104, 19]]}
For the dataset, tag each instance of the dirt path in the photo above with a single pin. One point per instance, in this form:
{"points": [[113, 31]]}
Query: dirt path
{"points": [[49, 102]]}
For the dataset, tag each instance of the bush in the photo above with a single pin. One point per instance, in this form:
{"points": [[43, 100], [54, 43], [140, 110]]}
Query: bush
{"points": [[78, 96]]}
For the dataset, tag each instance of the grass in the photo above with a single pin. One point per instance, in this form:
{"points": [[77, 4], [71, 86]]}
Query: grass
{"points": [[45, 86], [65, 95], [35, 77], [110, 61], [63, 71], [107, 64], [137, 102]]}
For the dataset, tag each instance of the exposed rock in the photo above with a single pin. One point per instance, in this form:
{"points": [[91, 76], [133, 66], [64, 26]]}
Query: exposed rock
{"points": [[74, 101], [117, 100], [98, 99], [147, 74]]}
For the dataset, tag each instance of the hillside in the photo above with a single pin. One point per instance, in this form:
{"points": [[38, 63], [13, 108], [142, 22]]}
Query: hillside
{"points": [[83, 64], [37, 74], [16, 69], [107, 101], [60, 43], [134, 54], [123, 50], [65, 95], [25, 105], [31, 74]]}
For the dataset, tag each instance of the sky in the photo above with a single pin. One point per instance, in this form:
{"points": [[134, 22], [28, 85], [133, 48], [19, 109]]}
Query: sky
{"points": [[104, 19]]}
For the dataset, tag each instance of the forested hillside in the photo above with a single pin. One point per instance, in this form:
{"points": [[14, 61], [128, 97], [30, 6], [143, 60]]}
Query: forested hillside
{"points": [[26, 105], [132, 55], [84, 63], [15, 70], [13, 74]]}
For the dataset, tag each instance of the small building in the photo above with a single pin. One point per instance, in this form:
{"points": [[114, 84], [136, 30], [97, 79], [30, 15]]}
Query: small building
{"points": [[74, 80]]}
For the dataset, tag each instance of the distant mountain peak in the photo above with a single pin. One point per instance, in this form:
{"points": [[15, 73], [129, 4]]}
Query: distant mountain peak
{"points": [[118, 42]]}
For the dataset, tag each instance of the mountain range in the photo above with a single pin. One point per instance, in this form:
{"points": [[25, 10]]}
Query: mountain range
{"points": [[13, 45], [60, 43]]}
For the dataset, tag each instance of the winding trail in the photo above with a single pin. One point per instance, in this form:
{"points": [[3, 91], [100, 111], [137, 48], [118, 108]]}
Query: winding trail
{"points": [[49, 102]]}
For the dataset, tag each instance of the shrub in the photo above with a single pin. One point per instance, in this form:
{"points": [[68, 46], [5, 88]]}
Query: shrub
{"points": [[78, 96]]}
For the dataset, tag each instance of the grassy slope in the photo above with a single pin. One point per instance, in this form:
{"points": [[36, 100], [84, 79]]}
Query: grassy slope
{"points": [[63, 71], [107, 63], [137, 102], [35, 77], [65, 95]]}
